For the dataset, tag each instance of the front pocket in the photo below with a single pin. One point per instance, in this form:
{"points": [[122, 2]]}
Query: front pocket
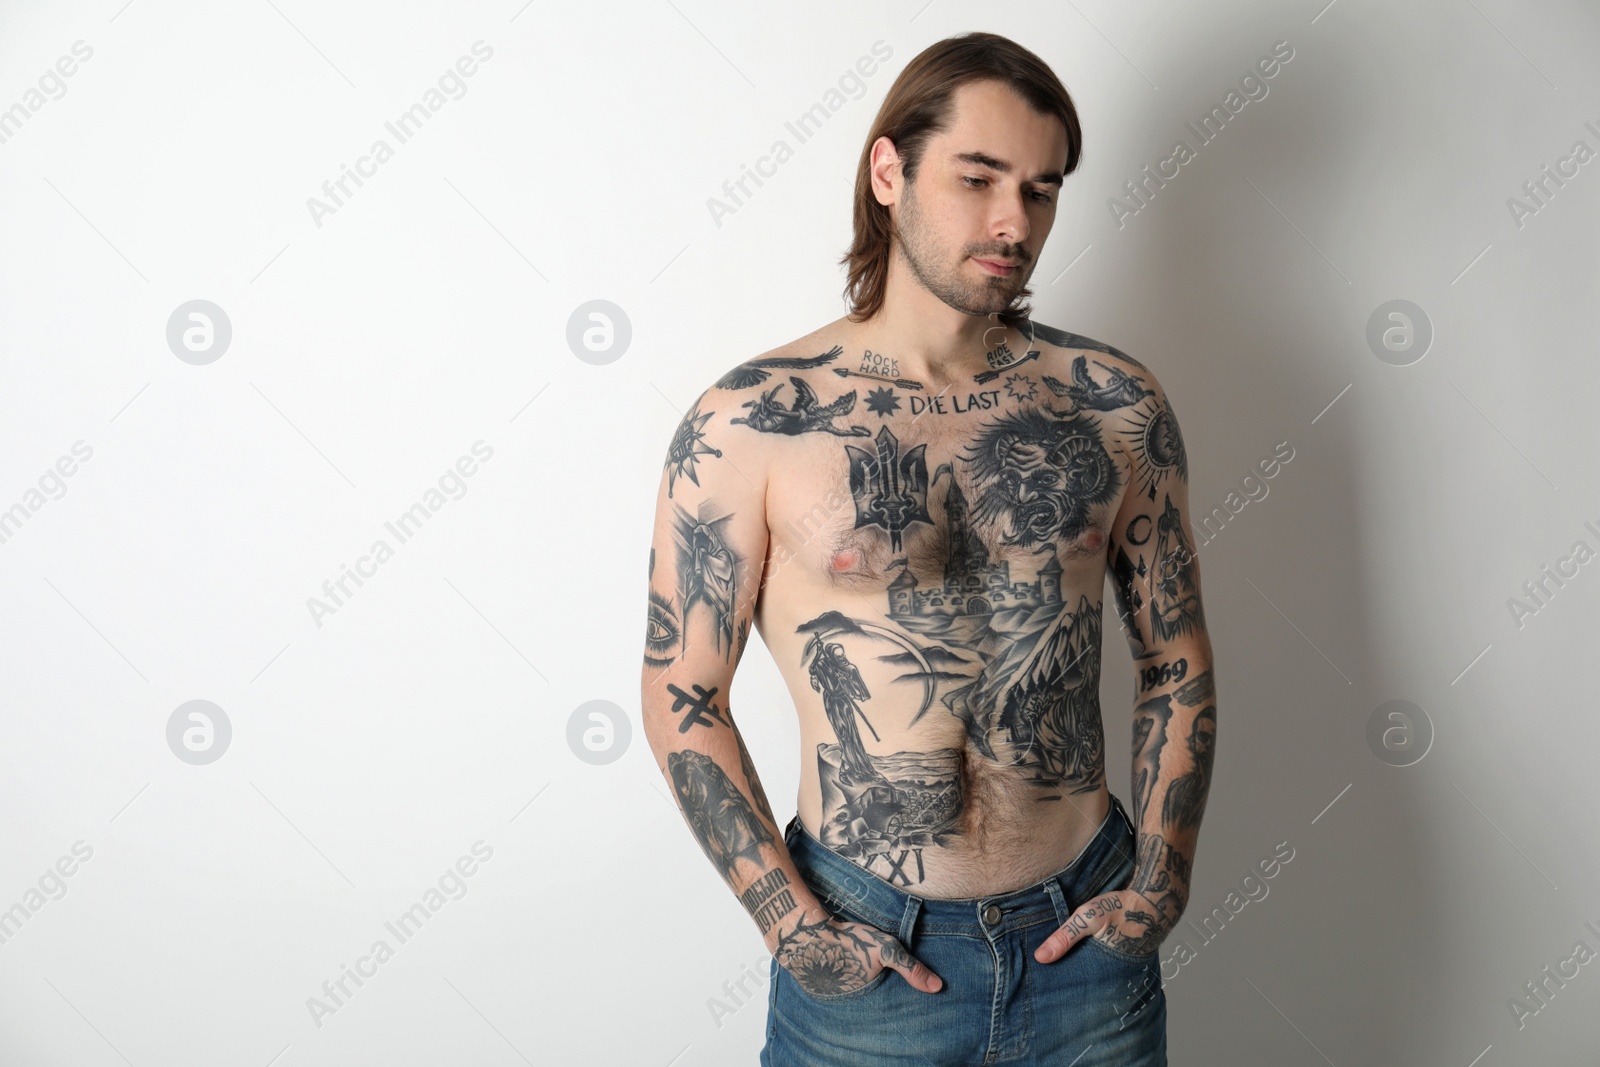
{"points": [[1120, 956], [833, 998]]}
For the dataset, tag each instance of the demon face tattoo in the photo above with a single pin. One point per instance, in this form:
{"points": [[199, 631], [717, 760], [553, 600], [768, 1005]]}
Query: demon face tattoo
{"points": [[1040, 475]]}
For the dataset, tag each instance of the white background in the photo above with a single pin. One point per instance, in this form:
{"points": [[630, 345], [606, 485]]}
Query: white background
{"points": [[430, 311]]}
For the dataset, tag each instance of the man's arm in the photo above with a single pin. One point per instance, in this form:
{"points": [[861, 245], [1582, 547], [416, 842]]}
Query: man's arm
{"points": [[1156, 579], [706, 560]]}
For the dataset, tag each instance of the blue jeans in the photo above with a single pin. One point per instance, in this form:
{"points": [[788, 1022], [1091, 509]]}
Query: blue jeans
{"points": [[1094, 1007]]}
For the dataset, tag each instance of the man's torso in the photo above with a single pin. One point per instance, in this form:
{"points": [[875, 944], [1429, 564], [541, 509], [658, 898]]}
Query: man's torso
{"points": [[932, 595]]}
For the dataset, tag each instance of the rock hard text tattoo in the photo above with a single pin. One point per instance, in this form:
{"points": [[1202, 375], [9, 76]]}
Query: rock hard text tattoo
{"points": [[879, 365], [904, 383], [722, 819], [1137, 932]]}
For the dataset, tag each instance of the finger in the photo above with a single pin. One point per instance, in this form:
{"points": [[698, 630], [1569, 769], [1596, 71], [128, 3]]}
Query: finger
{"points": [[918, 974], [1068, 934]]}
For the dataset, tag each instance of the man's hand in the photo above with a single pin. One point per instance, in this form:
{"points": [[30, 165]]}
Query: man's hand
{"points": [[1121, 919], [829, 957]]}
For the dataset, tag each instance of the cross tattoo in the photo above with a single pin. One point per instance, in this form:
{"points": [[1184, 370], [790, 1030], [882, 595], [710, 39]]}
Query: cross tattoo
{"points": [[699, 705]]}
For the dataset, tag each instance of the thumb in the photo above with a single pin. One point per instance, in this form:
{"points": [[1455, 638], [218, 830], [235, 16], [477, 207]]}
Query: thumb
{"points": [[1076, 928]]}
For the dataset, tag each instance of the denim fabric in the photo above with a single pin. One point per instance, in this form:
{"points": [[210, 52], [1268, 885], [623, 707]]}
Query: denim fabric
{"points": [[1094, 1007]]}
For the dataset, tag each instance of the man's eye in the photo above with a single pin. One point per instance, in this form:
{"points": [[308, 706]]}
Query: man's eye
{"points": [[1043, 198], [972, 179]]}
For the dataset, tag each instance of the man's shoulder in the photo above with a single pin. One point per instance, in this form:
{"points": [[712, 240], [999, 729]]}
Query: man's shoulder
{"points": [[1070, 345], [782, 390], [803, 357], [749, 410]]}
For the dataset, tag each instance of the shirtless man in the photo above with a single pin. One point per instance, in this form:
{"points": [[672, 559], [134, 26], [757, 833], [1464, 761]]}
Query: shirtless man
{"points": [[917, 505]]}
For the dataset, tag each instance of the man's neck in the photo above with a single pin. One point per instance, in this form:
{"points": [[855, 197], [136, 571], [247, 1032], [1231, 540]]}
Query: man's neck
{"points": [[937, 346]]}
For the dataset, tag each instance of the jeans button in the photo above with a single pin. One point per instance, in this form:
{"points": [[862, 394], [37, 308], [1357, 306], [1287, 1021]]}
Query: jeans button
{"points": [[991, 914]]}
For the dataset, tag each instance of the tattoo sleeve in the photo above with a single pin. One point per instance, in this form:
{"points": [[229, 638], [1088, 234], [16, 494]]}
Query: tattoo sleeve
{"points": [[706, 558], [1155, 572]]}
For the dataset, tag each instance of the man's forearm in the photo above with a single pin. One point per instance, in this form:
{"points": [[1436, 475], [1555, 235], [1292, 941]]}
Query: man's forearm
{"points": [[1174, 738], [700, 751]]}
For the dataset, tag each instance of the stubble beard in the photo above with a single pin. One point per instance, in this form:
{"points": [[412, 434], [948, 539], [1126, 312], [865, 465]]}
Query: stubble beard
{"points": [[918, 246]]}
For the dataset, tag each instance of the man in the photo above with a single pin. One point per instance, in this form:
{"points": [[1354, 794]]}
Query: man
{"points": [[917, 505]]}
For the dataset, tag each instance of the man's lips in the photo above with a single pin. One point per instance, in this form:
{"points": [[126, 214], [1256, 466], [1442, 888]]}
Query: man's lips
{"points": [[998, 266]]}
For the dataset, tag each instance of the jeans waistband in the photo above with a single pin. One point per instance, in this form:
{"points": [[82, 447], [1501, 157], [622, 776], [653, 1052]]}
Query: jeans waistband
{"points": [[842, 885]]}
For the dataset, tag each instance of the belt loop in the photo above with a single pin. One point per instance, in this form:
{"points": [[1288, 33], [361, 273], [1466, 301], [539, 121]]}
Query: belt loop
{"points": [[908, 920], [1052, 885]]}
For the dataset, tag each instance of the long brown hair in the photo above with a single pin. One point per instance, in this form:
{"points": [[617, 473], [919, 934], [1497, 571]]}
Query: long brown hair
{"points": [[918, 106]]}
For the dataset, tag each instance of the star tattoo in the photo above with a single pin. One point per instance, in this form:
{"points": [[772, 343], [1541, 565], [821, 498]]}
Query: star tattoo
{"points": [[1014, 387], [688, 444], [882, 401]]}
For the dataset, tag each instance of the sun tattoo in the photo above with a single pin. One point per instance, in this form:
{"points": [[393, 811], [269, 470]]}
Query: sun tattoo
{"points": [[688, 444]]}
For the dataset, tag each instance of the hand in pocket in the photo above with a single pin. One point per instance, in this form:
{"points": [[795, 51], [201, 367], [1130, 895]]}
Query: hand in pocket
{"points": [[833, 957]]}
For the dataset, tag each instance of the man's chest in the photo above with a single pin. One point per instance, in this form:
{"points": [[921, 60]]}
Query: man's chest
{"points": [[971, 489]]}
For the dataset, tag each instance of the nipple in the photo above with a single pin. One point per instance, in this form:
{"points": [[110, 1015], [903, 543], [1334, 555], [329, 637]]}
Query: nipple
{"points": [[846, 559], [1094, 539]]}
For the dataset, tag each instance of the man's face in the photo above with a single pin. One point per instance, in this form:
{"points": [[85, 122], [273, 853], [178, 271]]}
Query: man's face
{"points": [[986, 191]]}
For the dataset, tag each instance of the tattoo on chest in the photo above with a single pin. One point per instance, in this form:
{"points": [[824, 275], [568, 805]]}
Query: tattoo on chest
{"points": [[954, 403], [975, 624], [1001, 652], [890, 490], [805, 414], [1001, 361], [879, 365]]}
